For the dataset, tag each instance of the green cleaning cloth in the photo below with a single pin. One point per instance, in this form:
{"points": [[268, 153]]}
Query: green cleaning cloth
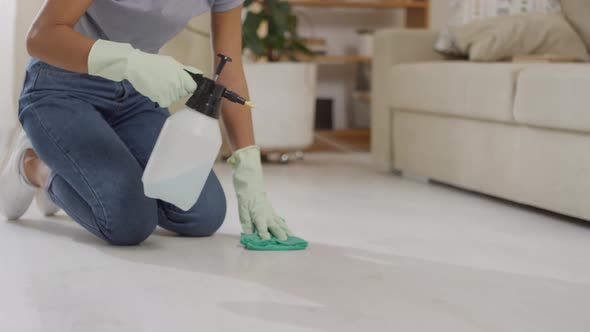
{"points": [[254, 242]]}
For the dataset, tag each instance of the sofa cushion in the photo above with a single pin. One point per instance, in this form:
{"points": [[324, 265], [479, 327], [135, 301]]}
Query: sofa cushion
{"points": [[467, 11], [472, 90], [504, 37], [556, 96]]}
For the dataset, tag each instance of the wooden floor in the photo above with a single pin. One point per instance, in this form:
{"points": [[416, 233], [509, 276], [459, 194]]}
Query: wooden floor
{"points": [[339, 141], [349, 140]]}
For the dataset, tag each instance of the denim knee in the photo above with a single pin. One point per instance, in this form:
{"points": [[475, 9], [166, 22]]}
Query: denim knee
{"points": [[203, 219], [208, 221], [133, 216]]}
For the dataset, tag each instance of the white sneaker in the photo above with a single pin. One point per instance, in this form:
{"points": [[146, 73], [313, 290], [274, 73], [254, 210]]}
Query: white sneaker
{"points": [[45, 204], [16, 194]]}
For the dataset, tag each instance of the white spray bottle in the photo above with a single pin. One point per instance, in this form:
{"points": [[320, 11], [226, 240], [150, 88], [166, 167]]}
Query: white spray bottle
{"points": [[188, 144]]}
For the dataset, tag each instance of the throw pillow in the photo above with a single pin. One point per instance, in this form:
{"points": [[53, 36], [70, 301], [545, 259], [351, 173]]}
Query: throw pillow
{"points": [[578, 13], [505, 37], [467, 11]]}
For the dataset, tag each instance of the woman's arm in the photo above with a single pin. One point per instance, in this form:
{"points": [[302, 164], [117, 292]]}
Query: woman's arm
{"points": [[255, 209], [52, 38], [227, 39]]}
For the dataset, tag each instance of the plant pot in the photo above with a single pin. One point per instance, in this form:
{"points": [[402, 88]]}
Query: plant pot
{"points": [[284, 96]]}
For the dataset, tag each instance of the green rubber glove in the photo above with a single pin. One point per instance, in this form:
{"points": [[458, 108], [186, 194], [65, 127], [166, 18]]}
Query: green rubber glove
{"points": [[256, 213], [160, 78]]}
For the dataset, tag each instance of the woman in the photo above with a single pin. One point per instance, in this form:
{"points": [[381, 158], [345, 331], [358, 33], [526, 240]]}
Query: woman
{"points": [[93, 104]]}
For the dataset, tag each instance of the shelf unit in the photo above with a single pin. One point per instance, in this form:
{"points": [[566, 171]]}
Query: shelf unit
{"points": [[417, 11], [359, 3], [417, 15], [336, 58]]}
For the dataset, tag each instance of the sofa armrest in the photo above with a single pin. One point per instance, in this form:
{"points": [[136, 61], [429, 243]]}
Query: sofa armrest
{"points": [[393, 46]]}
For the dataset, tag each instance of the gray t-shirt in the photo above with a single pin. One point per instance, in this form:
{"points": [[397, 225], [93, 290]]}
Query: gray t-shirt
{"points": [[145, 24]]}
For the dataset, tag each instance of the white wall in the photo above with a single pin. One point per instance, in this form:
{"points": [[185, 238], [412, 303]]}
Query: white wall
{"points": [[439, 13], [7, 24], [26, 10]]}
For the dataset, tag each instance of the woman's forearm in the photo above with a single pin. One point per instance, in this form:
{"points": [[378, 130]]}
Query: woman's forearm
{"points": [[227, 39], [237, 118], [53, 40]]}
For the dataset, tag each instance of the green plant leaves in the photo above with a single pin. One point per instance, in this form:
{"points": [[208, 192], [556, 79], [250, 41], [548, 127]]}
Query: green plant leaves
{"points": [[250, 39], [254, 44], [279, 15], [282, 40], [299, 46], [292, 24], [252, 22]]}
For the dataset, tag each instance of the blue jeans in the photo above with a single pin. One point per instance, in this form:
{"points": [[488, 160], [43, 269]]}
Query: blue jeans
{"points": [[96, 135]]}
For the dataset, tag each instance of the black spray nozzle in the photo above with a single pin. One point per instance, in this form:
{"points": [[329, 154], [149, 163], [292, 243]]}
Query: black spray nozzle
{"points": [[207, 98], [236, 98], [224, 60], [205, 84]]}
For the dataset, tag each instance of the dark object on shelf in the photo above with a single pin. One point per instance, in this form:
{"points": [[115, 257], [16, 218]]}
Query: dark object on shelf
{"points": [[323, 114], [317, 46], [361, 110], [363, 80]]}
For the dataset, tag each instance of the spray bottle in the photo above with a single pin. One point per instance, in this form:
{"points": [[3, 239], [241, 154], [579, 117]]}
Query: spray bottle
{"points": [[188, 144]]}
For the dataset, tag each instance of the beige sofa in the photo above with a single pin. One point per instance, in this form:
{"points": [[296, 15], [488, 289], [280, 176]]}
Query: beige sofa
{"points": [[512, 130]]}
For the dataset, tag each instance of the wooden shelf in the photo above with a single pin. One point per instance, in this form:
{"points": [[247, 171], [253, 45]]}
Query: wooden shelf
{"points": [[364, 96], [346, 140], [336, 58], [417, 11], [360, 3]]}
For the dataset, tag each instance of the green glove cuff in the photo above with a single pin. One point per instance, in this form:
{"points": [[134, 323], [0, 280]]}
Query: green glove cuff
{"points": [[248, 156], [109, 59], [247, 167]]}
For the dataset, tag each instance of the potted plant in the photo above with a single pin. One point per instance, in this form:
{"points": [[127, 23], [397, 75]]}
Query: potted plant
{"points": [[282, 89]]}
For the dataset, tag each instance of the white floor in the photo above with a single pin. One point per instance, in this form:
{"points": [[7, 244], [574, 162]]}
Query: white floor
{"points": [[386, 254]]}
